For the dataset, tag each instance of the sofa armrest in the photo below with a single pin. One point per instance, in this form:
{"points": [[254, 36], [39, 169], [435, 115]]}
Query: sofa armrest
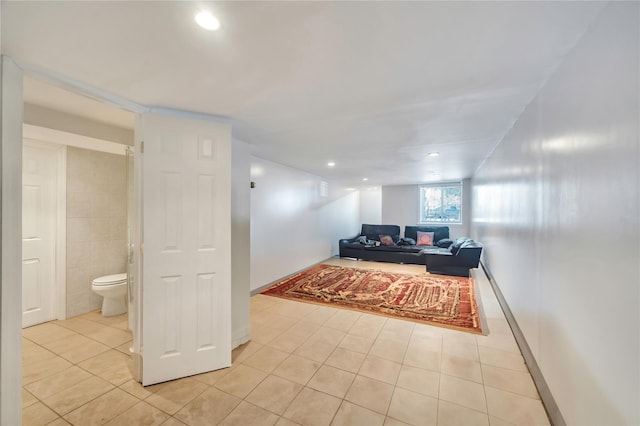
{"points": [[444, 243]]}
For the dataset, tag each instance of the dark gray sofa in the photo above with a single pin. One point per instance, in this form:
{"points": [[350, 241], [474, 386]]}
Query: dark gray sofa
{"points": [[397, 253]]}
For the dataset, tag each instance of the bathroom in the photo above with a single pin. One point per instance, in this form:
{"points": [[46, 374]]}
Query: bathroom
{"points": [[91, 234]]}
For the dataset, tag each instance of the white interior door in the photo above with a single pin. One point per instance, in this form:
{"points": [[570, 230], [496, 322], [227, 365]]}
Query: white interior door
{"points": [[39, 213], [186, 262]]}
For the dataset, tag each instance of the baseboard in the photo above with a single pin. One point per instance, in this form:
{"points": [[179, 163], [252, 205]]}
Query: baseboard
{"points": [[550, 405]]}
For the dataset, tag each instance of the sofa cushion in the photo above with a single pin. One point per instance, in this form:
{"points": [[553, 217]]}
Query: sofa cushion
{"points": [[439, 232], [386, 240], [425, 238]]}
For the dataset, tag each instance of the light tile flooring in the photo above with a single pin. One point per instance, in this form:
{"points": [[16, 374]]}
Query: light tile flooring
{"points": [[305, 365]]}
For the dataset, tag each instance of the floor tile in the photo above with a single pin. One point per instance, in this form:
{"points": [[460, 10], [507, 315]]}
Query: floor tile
{"points": [[241, 380], [140, 414], [286, 422], [371, 394], [210, 407], [356, 343], [242, 352], [463, 392], [246, 414], [315, 350], [450, 414], [77, 395], [58, 382], [112, 365], [331, 380], [390, 421], [297, 369], [266, 359], [274, 394], [413, 408], [37, 414], [102, 409], [135, 389], [352, 415], [343, 320], [515, 409], [312, 408], [28, 398], [58, 422], [212, 377], [391, 349], [288, 342], [76, 348], [503, 359], [43, 368], [328, 335], [45, 333], [425, 382], [321, 315], [346, 360], [172, 396], [510, 380], [380, 369], [463, 368]]}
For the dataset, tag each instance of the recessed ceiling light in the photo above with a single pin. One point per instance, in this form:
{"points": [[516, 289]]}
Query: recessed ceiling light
{"points": [[331, 164], [365, 179], [207, 21], [433, 154]]}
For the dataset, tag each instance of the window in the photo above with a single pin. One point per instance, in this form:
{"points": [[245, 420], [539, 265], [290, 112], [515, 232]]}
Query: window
{"points": [[441, 203]]}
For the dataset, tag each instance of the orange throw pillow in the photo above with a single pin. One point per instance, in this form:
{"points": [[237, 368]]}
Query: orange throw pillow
{"points": [[425, 238]]}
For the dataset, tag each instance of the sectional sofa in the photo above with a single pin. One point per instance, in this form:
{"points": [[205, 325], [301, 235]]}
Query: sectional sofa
{"points": [[369, 244]]}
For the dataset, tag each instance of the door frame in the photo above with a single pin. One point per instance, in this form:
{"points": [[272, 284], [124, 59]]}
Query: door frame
{"points": [[59, 291]]}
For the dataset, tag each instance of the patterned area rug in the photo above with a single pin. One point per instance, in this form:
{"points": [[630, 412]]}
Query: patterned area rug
{"points": [[432, 299]]}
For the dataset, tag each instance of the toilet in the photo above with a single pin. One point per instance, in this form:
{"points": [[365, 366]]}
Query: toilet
{"points": [[113, 289]]}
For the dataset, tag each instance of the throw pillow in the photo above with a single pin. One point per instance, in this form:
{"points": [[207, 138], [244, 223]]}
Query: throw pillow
{"points": [[425, 238], [386, 240]]}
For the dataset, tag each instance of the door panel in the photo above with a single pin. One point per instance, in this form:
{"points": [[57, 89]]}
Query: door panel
{"points": [[186, 221], [39, 213]]}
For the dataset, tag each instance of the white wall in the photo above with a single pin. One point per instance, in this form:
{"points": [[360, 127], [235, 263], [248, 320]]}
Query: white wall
{"points": [[240, 241], [370, 206], [401, 206], [557, 207], [292, 226], [69, 123]]}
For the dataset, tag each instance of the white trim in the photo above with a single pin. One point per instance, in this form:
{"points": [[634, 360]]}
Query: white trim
{"points": [[11, 236], [60, 304], [64, 82], [71, 139]]}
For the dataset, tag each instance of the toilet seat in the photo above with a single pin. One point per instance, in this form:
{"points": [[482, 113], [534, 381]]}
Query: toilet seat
{"points": [[110, 279]]}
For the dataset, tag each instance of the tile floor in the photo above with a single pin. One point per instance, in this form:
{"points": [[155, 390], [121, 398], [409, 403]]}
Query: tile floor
{"points": [[305, 365]]}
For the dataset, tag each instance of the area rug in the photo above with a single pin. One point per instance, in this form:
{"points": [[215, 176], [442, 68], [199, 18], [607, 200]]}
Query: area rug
{"points": [[432, 299]]}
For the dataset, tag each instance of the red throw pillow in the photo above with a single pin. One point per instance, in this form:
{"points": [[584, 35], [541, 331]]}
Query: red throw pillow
{"points": [[425, 238], [386, 240]]}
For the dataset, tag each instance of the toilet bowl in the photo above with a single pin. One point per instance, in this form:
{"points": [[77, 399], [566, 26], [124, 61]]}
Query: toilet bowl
{"points": [[113, 289]]}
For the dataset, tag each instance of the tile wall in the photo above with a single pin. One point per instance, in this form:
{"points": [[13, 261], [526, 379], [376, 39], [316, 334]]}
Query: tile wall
{"points": [[96, 224]]}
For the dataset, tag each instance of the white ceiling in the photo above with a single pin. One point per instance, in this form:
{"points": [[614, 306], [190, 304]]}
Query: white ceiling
{"points": [[373, 86]]}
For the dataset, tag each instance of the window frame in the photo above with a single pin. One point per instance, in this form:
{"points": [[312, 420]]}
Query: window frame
{"points": [[421, 201]]}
